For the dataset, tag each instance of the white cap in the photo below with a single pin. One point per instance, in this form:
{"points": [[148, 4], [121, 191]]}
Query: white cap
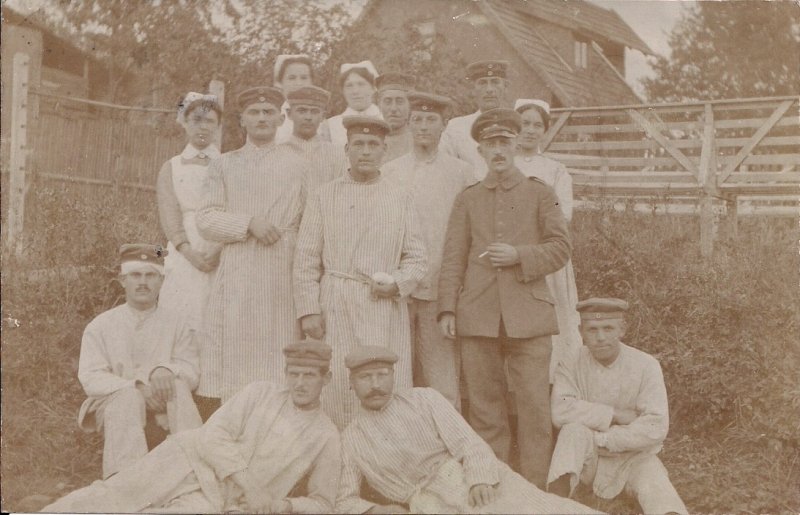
{"points": [[188, 99], [279, 62], [535, 101], [346, 67]]}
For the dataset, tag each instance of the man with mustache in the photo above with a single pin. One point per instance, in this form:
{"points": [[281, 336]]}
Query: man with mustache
{"points": [[359, 255], [248, 458], [433, 179], [414, 449], [393, 89], [307, 109], [489, 85], [504, 236], [253, 204], [611, 405], [138, 364]]}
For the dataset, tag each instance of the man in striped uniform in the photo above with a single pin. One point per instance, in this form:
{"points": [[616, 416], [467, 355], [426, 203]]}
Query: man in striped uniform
{"points": [[253, 205], [433, 179], [246, 459], [414, 449], [307, 108], [359, 254]]}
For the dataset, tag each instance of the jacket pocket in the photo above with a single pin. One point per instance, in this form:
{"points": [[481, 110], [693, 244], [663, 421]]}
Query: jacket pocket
{"points": [[540, 291]]}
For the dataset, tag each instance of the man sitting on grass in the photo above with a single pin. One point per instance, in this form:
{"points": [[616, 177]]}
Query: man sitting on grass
{"points": [[611, 405], [247, 457], [414, 449], [138, 364]]}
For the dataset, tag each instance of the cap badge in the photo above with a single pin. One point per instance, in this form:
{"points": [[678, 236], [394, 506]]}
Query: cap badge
{"points": [[424, 108], [366, 130], [143, 257], [262, 99], [489, 73]]}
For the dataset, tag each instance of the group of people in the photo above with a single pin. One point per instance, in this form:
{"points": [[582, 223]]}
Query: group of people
{"points": [[400, 255]]}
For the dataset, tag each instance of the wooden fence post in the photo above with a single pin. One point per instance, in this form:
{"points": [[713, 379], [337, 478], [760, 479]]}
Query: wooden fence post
{"points": [[706, 177], [217, 87], [18, 153]]}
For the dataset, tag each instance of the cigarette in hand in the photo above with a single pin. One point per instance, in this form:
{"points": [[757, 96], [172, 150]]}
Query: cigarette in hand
{"points": [[483, 253]]}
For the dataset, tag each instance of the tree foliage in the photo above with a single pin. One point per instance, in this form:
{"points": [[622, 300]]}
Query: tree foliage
{"points": [[731, 49]]}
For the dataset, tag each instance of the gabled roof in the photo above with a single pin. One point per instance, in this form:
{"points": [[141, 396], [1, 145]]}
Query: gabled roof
{"points": [[581, 16], [601, 84]]}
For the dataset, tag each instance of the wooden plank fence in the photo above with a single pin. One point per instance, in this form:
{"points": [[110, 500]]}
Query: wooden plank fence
{"points": [[706, 152], [95, 145]]}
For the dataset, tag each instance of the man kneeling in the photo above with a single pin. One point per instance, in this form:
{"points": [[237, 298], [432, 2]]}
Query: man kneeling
{"points": [[247, 457], [611, 405], [415, 449]]}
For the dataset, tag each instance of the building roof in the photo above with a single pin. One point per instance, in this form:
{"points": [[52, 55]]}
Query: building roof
{"points": [[581, 16], [600, 84]]}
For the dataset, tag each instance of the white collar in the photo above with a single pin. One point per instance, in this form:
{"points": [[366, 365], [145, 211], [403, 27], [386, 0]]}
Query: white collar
{"points": [[373, 111], [190, 152]]}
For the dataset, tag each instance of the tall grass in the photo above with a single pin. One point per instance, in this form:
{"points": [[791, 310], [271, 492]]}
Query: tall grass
{"points": [[725, 330]]}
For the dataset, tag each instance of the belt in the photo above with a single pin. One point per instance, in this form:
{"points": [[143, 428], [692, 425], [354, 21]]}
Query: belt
{"points": [[357, 276]]}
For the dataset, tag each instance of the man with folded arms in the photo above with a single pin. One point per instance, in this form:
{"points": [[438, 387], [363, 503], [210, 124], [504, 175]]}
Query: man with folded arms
{"points": [[247, 458], [414, 449], [611, 405]]}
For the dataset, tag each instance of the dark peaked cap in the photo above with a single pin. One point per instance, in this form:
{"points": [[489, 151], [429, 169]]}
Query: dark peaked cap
{"points": [[419, 101], [394, 80], [259, 94], [496, 122], [369, 356], [365, 125], [480, 69], [308, 353], [601, 308], [142, 252], [309, 95]]}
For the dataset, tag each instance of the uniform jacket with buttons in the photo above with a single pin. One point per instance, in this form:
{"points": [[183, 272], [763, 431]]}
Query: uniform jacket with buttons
{"points": [[522, 212]]}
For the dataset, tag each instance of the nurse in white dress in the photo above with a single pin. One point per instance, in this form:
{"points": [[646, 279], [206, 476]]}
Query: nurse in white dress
{"points": [[291, 72], [535, 122], [189, 267], [357, 81]]}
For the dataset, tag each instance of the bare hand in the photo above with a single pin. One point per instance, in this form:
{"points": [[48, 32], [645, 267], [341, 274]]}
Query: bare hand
{"points": [[162, 382], [385, 290], [152, 402], [482, 494], [313, 326], [262, 229], [623, 417], [502, 254], [387, 508], [255, 500], [198, 259], [447, 324]]}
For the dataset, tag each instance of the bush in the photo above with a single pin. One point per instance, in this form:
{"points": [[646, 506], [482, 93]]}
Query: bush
{"points": [[724, 329]]}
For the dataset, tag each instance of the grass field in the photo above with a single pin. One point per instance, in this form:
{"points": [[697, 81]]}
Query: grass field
{"points": [[726, 331]]}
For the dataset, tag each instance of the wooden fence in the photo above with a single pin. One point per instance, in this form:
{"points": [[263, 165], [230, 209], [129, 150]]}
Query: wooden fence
{"points": [[94, 146], [703, 152]]}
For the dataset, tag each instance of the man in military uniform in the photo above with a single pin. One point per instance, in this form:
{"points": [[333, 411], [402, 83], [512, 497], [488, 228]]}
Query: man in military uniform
{"points": [[393, 89], [489, 84], [504, 236]]}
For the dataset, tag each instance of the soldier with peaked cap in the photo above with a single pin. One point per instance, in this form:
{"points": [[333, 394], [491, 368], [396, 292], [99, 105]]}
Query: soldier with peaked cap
{"points": [[413, 448], [253, 205], [489, 81], [504, 236], [290, 72], [610, 402], [248, 458], [307, 108], [359, 255], [393, 89], [138, 364], [433, 179]]}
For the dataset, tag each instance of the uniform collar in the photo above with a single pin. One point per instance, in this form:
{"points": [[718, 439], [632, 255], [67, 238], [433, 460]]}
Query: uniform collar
{"points": [[252, 147], [191, 152], [508, 180]]}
